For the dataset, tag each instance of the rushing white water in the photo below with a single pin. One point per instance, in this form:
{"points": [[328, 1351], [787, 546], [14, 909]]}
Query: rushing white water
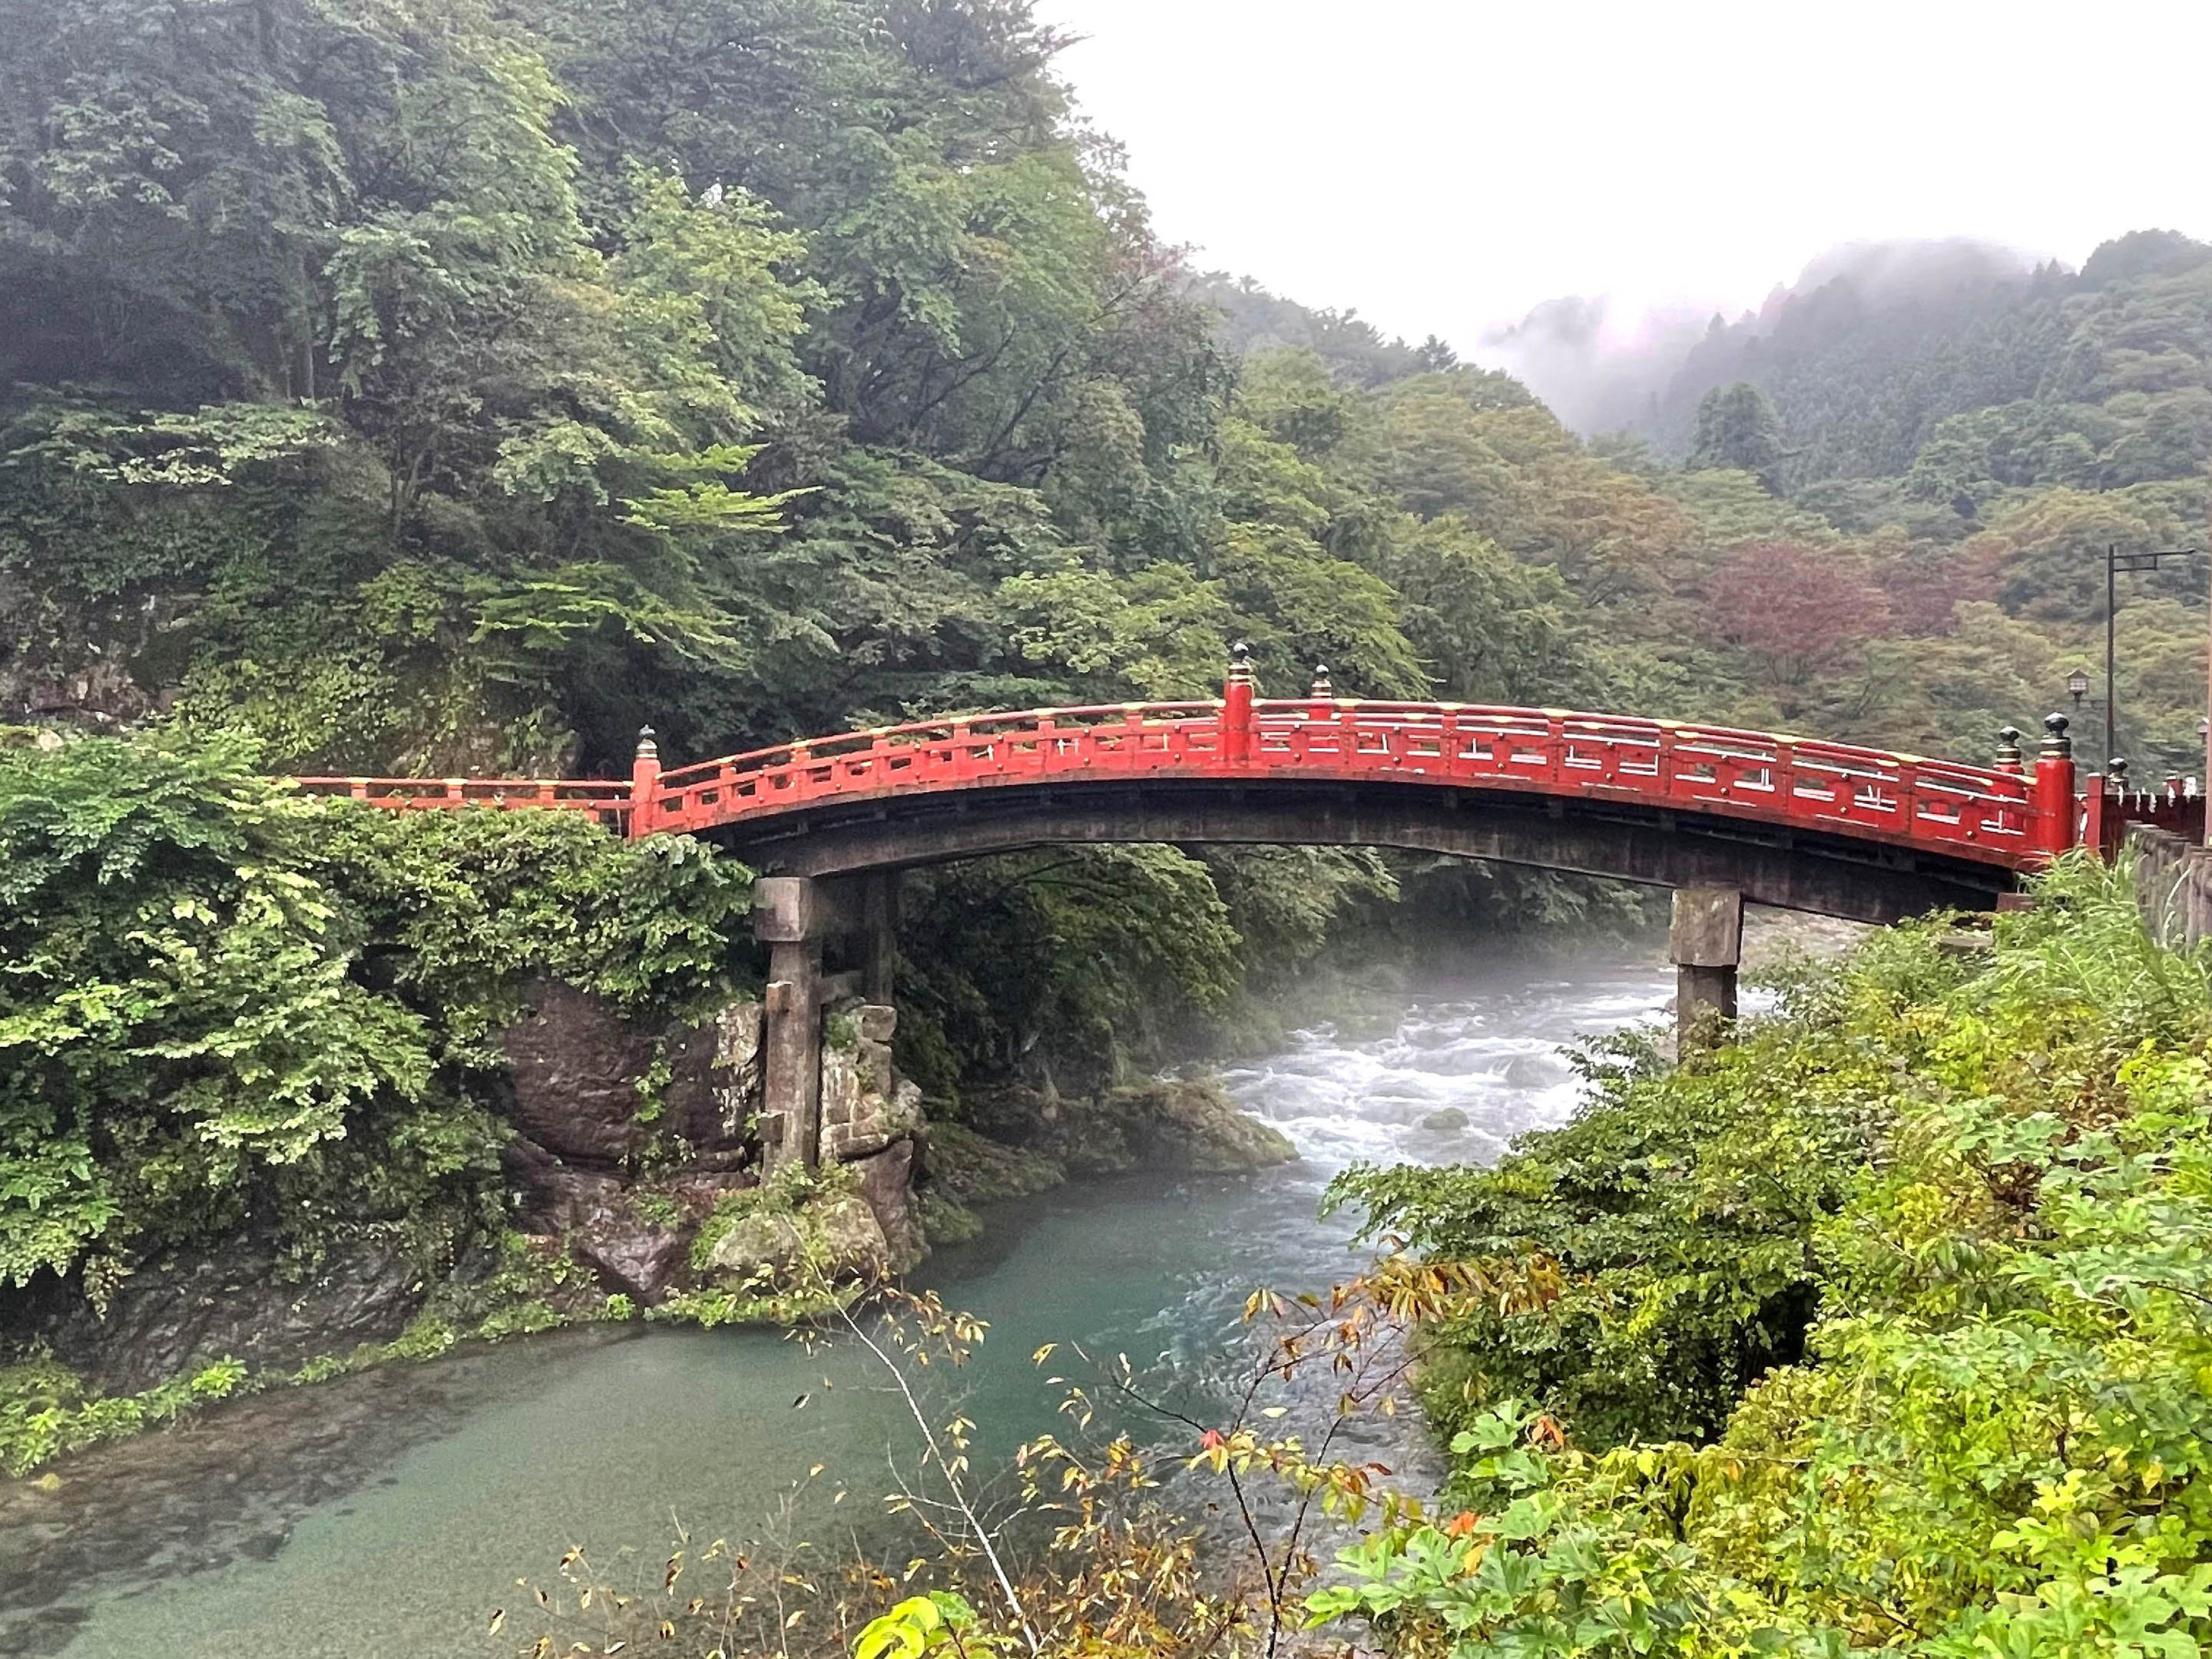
{"points": [[397, 1526]]}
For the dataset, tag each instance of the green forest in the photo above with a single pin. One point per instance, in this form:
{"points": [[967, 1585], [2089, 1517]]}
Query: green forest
{"points": [[434, 387]]}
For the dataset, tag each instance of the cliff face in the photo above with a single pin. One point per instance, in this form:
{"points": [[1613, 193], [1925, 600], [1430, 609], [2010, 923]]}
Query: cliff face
{"points": [[623, 1140]]}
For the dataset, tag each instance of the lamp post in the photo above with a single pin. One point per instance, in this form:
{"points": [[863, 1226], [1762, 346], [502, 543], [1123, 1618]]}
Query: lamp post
{"points": [[2115, 563]]}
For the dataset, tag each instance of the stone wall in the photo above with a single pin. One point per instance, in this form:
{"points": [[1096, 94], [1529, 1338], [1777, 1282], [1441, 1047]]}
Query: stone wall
{"points": [[864, 1105]]}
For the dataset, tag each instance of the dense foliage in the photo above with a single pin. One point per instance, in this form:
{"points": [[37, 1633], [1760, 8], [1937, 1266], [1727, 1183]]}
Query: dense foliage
{"points": [[1893, 1320], [224, 1008]]}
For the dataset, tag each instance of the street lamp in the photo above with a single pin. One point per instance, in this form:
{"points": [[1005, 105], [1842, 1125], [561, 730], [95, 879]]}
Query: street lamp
{"points": [[2077, 687]]}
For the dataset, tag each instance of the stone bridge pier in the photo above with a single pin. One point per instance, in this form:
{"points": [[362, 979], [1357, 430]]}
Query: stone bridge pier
{"points": [[1704, 941], [828, 941]]}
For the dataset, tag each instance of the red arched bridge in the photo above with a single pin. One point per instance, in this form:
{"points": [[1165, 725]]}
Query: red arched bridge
{"points": [[1850, 831], [1722, 815]]}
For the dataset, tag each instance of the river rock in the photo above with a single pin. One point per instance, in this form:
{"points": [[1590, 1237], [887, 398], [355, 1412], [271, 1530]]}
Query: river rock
{"points": [[852, 1237], [758, 1249], [575, 1065], [837, 1236], [968, 1168], [1449, 1121], [713, 1092], [635, 1257], [187, 1310], [887, 1184], [1167, 1125], [554, 1197]]}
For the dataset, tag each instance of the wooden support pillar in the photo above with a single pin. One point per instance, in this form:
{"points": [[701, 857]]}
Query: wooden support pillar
{"points": [[787, 918], [879, 909], [1705, 945]]}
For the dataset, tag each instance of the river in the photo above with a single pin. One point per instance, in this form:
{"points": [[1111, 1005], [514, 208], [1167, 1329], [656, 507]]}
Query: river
{"points": [[388, 1515]]}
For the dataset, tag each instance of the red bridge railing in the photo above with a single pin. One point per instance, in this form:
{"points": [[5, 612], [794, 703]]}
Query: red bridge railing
{"points": [[1973, 811], [2005, 815]]}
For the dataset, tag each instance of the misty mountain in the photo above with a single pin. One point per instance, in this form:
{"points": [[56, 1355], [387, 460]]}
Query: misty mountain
{"points": [[1877, 345]]}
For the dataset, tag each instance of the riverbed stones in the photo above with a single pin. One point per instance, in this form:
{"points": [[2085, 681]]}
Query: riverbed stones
{"points": [[1450, 1120]]}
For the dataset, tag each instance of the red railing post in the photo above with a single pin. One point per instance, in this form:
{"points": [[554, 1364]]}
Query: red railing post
{"points": [[1236, 706], [2007, 759], [644, 784], [2051, 789]]}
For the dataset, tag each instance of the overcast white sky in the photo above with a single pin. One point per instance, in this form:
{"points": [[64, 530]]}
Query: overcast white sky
{"points": [[1443, 167]]}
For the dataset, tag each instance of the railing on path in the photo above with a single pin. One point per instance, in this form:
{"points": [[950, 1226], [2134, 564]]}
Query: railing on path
{"points": [[2008, 814]]}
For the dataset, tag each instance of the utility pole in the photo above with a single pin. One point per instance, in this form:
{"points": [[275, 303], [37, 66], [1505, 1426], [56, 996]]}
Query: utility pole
{"points": [[2115, 561]]}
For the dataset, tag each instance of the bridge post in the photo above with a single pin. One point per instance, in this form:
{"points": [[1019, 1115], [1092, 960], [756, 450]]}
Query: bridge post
{"points": [[2052, 788], [1237, 705], [1705, 945], [787, 917], [644, 784]]}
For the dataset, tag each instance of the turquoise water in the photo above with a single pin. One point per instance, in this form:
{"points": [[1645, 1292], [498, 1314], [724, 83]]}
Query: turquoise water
{"points": [[391, 1515]]}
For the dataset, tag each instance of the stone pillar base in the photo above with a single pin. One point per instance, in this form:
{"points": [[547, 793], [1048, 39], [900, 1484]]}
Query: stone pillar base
{"points": [[1705, 945]]}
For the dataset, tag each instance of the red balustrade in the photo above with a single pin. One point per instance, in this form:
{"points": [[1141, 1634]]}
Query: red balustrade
{"points": [[609, 801], [1989, 815]]}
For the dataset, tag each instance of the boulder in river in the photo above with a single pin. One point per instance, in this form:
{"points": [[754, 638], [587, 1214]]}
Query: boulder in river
{"points": [[1167, 1124], [830, 1238], [1449, 1121]]}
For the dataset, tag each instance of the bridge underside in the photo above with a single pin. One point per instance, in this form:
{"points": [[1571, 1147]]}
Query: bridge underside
{"points": [[1788, 868]]}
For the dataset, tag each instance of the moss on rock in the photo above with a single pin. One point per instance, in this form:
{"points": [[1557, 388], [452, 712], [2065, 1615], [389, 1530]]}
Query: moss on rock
{"points": [[968, 1168], [946, 1220]]}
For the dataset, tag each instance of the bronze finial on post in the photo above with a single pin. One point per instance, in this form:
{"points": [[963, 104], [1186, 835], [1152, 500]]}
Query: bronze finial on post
{"points": [[1323, 691], [2009, 756]]}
